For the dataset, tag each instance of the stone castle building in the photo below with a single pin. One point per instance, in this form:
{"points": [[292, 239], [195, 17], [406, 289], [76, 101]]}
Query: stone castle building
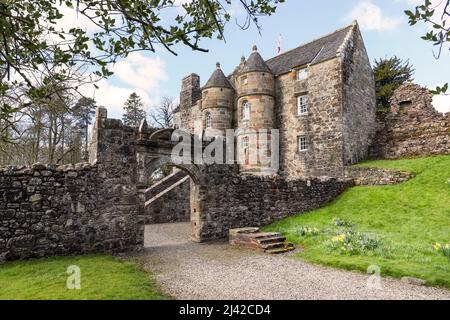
{"points": [[320, 95]]}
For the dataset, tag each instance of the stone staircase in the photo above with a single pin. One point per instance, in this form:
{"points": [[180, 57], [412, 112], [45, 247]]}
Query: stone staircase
{"points": [[165, 185], [253, 238]]}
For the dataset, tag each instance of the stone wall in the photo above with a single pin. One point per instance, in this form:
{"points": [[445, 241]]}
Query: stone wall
{"points": [[359, 101], [49, 210], [412, 127], [364, 176], [252, 201]]}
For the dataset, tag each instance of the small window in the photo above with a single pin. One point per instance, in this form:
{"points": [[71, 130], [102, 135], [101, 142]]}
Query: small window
{"points": [[302, 74], [246, 111], [302, 104], [208, 120], [245, 144], [302, 143]]}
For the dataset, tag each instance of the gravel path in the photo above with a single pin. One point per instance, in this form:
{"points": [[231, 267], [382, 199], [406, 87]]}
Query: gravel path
{"points": [[187, 270]]}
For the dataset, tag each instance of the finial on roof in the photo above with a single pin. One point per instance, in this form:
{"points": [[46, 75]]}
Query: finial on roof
{"points": [[218, 65], [255, 48], [242, 59], [143, 129]]}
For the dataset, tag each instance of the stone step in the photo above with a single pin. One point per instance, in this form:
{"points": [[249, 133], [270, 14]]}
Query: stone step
{"points": [[271, 240], [286, 248], [252, 238], [274, 245]]}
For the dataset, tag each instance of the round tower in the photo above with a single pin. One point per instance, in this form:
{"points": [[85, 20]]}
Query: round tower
{"points": [[255, 116], [217, 102]]}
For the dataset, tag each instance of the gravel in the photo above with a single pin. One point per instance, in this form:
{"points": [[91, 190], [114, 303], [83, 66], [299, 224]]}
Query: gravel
{"points": [[187, 270]]}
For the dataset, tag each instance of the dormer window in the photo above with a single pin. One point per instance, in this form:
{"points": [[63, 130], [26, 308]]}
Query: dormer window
{"points": [[246, 111], [302, 74], [208, 120], [302, 105]]}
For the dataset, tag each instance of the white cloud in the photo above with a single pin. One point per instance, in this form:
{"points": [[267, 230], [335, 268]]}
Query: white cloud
{"points": [[371, 17], [442, 103], [137, 73], [142, 72]]}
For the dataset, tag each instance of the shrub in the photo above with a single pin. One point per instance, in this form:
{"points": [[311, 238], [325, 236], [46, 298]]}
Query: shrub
{"points": [[338, 222], [307, 231], [443, 248]]}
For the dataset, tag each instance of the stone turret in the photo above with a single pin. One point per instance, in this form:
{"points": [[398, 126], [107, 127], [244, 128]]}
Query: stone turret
{"points": [[255, 113], [217, 101]]}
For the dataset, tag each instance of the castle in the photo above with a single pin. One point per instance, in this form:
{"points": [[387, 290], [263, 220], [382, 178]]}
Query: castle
{"points": [[320, 95]]}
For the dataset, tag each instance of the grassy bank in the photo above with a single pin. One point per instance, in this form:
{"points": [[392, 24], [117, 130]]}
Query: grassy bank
{"points": [[407, 219], [102, 278]]}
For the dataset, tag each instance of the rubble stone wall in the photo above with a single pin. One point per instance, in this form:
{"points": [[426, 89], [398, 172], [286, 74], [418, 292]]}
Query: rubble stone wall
{"points": [[49, 210], [412, 127]]}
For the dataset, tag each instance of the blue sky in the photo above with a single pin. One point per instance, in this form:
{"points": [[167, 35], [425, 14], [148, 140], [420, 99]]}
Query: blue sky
{"points": [[384, 26]]}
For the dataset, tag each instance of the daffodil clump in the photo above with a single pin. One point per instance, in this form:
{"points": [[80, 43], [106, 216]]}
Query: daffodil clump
{"points": [[352, 242], [308, 231], [443, 248]]}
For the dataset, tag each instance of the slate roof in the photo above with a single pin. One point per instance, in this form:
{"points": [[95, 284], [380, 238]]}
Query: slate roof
{"points": [[313, 52], [255, 63], [218, 79]]}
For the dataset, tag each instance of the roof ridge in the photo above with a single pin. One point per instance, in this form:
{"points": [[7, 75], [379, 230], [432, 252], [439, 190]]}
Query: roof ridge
{"points": [[316, 39]]}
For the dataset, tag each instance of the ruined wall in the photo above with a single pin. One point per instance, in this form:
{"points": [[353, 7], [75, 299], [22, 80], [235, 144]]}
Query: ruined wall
{"points": [[49, 210], [412, 127], [257, 201], [364, 176], [359, 101], [322, 124]]}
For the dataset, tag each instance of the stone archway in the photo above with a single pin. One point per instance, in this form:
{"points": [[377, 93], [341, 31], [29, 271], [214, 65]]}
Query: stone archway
{"points": [[149, 162]]}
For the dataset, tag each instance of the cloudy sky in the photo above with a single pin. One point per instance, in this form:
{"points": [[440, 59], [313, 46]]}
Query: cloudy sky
{"points": [[384, 26]]}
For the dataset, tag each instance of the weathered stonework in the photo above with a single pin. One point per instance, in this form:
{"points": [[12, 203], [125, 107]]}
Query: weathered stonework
{"points": [[49, 210], [412, 127], [363, 176], [339, 125]]}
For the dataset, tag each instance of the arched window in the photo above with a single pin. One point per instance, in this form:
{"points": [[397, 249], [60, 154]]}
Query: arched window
{"points": [[208, 120], [246, 111]]}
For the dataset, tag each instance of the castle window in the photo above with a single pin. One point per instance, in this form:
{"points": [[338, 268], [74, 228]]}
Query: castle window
{"points": [[302, 105], [302, 74], [208, 120], [246, 111], [245, 144], [302, 143]]}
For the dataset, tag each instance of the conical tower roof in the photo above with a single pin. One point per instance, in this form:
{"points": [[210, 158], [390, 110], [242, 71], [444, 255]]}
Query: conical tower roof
{"points": [[255, 63], [218, 79]]}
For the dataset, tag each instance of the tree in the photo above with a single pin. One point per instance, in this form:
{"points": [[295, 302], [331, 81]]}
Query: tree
{"points": [[134, 111], [162, 115], [437, 16], [84, 110], [32, 39], [389, 75]]}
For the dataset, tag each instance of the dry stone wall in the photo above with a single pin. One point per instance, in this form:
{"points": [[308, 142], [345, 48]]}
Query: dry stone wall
{"points": [[412, 127], [49, 210], [364, 176], [252, 201]]}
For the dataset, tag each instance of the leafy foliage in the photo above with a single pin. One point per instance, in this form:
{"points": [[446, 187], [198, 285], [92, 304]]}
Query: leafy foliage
{"points": [[389, 75], [35, 44], [439, 34]]}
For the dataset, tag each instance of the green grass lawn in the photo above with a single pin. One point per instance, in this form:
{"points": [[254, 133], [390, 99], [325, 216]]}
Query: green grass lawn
{"points": [[102, 278], [408, 218]]}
